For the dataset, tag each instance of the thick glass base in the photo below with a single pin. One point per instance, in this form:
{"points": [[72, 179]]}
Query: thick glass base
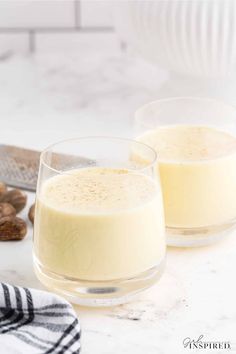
{"points": [[195, 237], [98, 293]]}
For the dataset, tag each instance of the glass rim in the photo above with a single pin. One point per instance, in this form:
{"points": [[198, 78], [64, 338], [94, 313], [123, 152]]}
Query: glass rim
{"points": [[141, 120], [42, 161]]}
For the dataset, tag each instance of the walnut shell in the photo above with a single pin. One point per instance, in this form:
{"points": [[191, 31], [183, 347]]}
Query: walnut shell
{"points": [[7, 209], [16, 198], [31, 213], [12, 229]]}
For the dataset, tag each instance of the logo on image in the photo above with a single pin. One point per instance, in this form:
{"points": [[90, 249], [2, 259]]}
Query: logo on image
{"points": [[189, 343]]}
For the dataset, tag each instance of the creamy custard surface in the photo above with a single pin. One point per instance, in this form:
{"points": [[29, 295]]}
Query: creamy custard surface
{"points": [[198, 174], [99, 224]]}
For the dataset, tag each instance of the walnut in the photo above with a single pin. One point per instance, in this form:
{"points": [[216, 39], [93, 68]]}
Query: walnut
{"points": [[7, 209], [12, 228], [16, 198], [31, 213]]}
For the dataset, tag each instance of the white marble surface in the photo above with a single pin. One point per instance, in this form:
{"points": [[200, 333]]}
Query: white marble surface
{"points": [[52, 96]]}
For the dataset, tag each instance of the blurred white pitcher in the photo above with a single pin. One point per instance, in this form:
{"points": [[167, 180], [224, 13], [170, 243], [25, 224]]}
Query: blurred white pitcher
{"points": [[196, 38]]}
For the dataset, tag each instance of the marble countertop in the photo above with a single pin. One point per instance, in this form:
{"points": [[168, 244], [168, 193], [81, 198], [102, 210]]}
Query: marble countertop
{"points": [[52, 96]]}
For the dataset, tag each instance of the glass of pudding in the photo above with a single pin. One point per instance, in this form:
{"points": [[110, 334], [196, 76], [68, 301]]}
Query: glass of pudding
{"points": [[195, 141], [99, 232]]}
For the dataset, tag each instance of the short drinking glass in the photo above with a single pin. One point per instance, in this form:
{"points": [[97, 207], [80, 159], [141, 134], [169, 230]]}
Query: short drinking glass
{"points": [[195, 141], [99, 233]]}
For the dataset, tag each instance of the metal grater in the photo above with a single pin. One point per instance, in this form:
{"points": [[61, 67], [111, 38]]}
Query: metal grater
{"points": [[19, 167]]}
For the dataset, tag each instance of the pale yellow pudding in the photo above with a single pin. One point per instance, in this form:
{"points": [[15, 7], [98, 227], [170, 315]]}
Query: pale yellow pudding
{"points": [[99, 224], [198, 174]]}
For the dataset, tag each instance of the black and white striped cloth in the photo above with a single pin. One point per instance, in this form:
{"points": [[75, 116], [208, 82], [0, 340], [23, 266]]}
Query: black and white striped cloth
{"points": [[36, 322]]}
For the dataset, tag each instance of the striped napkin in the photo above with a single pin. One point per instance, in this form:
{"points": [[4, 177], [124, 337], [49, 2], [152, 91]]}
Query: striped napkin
{"points": [[36, 322]]}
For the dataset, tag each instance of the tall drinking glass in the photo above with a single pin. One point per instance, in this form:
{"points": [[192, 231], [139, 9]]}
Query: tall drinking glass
{"points": [[195, 141], [99, 227]]}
